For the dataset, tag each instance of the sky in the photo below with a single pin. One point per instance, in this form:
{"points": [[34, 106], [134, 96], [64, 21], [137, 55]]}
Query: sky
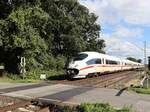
{"points": [[125, 25]]}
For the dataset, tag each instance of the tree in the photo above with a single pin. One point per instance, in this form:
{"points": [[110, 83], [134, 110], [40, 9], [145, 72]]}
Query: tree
{"points": [[44, 31], [5, 9], [72, 25], [139, 60], [22, 31], [135, 60]]}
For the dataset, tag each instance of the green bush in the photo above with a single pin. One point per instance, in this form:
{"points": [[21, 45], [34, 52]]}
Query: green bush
{"points": [[34, 75], [95, 108], [98, 107], [68, 109], [60, 62], [125, 109], [13, 76]]}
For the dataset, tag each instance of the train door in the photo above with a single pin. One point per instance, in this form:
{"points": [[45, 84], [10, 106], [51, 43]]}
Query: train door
{"points": [[106, 67], [99, 67], [103, 65]]}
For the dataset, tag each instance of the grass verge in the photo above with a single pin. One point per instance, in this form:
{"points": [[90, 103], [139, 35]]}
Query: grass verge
{"points": [[98, 107], [32, 76], [140, 90]]}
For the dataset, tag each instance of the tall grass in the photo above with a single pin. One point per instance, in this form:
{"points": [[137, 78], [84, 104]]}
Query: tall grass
{"points": [[31, 76], [98, 107]]}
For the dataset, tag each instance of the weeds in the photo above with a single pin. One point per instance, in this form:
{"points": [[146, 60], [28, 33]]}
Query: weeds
{"points": [[32, 76], [98, 107]]}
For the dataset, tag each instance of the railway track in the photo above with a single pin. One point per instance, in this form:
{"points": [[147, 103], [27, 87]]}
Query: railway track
{"points": [[112, 80]]}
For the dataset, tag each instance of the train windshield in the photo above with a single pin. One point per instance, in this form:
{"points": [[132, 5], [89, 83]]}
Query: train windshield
{"points": [[80, 57]]}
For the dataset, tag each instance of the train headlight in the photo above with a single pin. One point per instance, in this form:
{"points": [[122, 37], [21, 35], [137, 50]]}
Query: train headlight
{"points": [[72, 71], [68, 71]]}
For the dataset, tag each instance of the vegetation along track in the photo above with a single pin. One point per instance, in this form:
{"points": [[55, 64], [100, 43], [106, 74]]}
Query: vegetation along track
{"points": [[12, 104], [111, 80]]}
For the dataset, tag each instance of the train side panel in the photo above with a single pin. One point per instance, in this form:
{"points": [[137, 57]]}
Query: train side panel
{"points": [[93, 63]]}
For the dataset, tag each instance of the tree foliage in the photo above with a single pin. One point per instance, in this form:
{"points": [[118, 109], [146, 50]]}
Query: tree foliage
{"points": [[45, 32], [134, 59]]}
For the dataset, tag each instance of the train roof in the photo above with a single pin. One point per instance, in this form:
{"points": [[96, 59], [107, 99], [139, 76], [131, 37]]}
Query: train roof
{"points": [[96, 54]]}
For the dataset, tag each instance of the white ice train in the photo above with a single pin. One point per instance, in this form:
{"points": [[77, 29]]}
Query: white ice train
{"points": [[94, 63]]}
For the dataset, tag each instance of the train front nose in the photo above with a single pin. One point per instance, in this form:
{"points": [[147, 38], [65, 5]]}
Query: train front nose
{"points": [[72, 72]]}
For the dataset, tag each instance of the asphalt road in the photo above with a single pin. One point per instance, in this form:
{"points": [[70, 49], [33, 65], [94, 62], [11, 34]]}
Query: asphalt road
{"points": [[69, 94]]}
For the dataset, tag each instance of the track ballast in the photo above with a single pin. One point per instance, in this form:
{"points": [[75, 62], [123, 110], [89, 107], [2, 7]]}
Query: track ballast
{"points": [[111, 80]]}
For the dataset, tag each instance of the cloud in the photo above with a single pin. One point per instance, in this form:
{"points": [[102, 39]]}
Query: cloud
{"points": [[133, 11], [118, 42], [100, 8], [114, 11], [124, 32], [122, 23]]}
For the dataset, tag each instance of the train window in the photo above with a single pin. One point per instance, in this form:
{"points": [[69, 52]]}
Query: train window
{"points": [[80, 57], [111, 62], [94, 61], [98, 61], [115, 63], [107, 62]]}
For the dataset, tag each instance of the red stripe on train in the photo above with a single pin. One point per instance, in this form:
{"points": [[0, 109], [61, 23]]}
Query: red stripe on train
{"points": [[86, 67], [104, 66]]}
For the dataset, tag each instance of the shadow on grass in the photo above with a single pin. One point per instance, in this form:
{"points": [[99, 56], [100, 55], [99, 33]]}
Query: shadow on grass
{"points": [[57, 77], [61, 78]]}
